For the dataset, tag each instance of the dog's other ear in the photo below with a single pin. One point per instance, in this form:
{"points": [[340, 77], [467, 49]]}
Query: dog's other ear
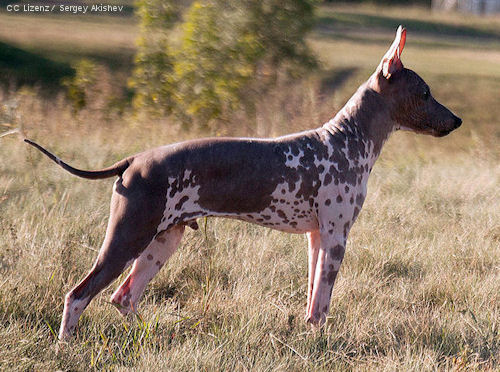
{"points": [[391, 62]]}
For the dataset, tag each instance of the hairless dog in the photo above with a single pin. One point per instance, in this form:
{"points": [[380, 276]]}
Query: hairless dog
{"points": [[312, 182]]}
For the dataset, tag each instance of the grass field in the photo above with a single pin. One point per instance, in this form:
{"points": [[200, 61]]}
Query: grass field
{"points": [[419, 288]]}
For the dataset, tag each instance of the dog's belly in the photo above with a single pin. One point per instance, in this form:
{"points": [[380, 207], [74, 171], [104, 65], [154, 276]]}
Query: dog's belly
{"points": [[290, 223]]}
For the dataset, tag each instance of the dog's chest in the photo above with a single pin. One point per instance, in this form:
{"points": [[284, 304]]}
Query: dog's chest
{"points": [[329, 193]]}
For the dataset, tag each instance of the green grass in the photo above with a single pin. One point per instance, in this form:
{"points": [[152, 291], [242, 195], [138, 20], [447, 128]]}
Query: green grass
{"points": [[420, 285]]}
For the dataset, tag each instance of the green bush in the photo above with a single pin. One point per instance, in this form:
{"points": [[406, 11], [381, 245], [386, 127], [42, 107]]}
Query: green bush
{"points": [[225, 56], [152, 78], [216, 62], [94, 90], [78, 86]]}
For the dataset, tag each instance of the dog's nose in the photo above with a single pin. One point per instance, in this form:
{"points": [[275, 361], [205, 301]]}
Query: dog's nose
{"points": [[458, 122]]}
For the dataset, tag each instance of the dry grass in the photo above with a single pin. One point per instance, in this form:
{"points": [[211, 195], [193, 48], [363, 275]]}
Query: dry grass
{"points": [[419, 288]]}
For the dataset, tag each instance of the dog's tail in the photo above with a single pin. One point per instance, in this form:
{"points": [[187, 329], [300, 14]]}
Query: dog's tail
{"points": [[116, 169]]}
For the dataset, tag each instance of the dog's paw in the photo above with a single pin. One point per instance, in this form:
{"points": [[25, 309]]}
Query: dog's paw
{"points": [[122, 303], [316, 320]]}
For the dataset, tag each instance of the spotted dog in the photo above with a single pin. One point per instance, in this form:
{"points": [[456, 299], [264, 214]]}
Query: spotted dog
{"points": [[312, 182]]}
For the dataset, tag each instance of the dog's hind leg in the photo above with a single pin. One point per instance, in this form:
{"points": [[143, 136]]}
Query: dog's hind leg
{"points": [[108, 266], [130, 230], [145, 267]]}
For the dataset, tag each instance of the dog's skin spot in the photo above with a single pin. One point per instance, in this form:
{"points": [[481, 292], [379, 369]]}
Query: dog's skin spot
{"points": [[184, 199], [339, 199], [337, 252], [150, 257], [158, 263], [328, 179], [355, 213], [332, 275], [346, 227], [360, 198]]}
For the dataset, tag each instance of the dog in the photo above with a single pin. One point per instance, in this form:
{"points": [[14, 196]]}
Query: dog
{"points": [[313, 182]]}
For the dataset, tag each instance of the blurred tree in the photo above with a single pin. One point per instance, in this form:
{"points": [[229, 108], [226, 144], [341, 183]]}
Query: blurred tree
{"points": [[79, 85], [152, 78], [92, 89], [226, 56], [216, 62]]}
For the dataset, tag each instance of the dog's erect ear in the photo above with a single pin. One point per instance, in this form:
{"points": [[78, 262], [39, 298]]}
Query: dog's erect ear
{"points": [[392, 59]]}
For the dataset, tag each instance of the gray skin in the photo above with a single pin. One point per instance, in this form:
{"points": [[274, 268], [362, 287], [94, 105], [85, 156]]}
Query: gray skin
{"points": [[312, 182]]}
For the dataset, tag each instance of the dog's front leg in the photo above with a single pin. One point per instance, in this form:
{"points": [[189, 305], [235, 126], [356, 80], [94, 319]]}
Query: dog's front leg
{"points": [[313, 239], [329, 259]]}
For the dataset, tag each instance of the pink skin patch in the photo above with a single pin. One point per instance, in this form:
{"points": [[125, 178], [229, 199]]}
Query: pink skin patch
{"points": [[313, 250], [121, 298], [328, 261], [72, 311]]}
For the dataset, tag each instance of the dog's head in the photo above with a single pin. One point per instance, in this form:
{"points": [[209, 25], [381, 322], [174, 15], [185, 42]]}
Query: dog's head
{"points": [[411, 104]]}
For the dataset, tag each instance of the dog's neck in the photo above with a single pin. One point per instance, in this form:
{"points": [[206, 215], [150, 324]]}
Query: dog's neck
{"points": [[364, 116]]}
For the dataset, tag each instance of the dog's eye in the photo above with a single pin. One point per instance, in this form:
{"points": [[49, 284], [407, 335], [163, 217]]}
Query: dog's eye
{"points": [[426, 94]]}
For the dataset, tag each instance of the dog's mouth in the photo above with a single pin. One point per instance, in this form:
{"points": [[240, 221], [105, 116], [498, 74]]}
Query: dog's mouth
{"points": [[457, 122], [442, 133], [438, 132]]}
